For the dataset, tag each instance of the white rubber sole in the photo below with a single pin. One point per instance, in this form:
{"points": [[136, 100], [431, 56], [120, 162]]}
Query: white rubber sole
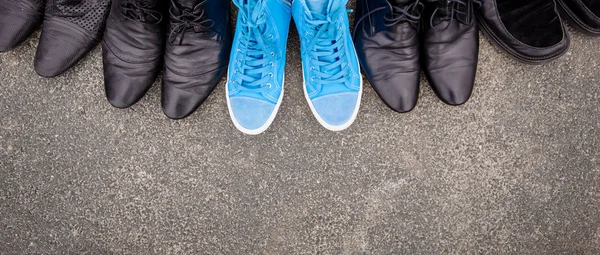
{"points": [[267, 124]]}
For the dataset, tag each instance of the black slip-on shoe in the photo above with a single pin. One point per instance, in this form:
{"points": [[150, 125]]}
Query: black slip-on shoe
{"points": [[582, 14], [530, 31]]}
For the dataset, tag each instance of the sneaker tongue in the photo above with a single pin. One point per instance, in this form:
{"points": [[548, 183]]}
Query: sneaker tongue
{"points": [[318, 6]]}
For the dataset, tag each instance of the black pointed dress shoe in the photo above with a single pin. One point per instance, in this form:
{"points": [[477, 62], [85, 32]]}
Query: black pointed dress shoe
{"points": [[583, 14], [132, 49], [530, 31], [450, 48], [18, 20], [196, 55], [386, 36], [71, 29]]}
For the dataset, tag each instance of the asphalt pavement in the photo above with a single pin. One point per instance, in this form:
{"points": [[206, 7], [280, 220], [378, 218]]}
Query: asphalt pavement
{"points": [[516, 170]]}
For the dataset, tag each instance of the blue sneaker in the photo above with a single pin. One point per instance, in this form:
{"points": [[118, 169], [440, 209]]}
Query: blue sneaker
{"points": [[256, 68], [332, 80]]}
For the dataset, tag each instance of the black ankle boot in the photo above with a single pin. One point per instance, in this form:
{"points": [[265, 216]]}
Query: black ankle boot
{"points": [[132, 49], [71, 29], [197, 54], [386, 37], [18, 20], [582, 14], [450, 48], [531, 31]]}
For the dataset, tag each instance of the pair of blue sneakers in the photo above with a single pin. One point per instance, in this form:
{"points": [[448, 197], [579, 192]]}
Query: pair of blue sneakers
{"points": [[256, 77]]}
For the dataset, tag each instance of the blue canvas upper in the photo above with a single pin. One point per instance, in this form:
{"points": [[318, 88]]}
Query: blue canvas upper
{"points": [[256, 69], [331, 69]]}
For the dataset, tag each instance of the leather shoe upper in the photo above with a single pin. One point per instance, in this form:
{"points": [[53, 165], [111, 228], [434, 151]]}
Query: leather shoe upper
{"points": [[583, 14], [18, 19], [450, 47], [132, 49], [386, 37], [196, 55], [71, 29], [530, 31]]}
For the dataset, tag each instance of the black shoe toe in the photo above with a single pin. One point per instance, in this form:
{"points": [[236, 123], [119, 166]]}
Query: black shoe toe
{"points": [[61, 46], [453, 86], [180, 103], [123, 92], [126, 83], [182, 95], [400, 92], [13, 31]]}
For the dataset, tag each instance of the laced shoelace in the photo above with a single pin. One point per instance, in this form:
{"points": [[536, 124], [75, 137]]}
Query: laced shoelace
{"points": [[188, 20], [141, 11], [327, 49], [449, 9], [410, 13], [256, 50]]}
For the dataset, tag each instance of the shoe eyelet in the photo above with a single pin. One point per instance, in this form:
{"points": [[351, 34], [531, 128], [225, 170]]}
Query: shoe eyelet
{"points": [[272, 64], [269, 85], [312, 78], [339, 27], [235, 71], [272, 54], [312, 68], [270, 74]]}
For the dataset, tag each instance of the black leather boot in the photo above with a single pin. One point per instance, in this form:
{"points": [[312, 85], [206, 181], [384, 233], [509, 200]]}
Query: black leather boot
{"points": [[386, 37], [132, 49], [197, 54], [450, 45], [71, 29], [583, 14], [531, 31], [18, 20]]}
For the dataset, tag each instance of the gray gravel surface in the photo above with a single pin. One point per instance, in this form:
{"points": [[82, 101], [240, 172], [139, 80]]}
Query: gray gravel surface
{"points": [[514, 171]]}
